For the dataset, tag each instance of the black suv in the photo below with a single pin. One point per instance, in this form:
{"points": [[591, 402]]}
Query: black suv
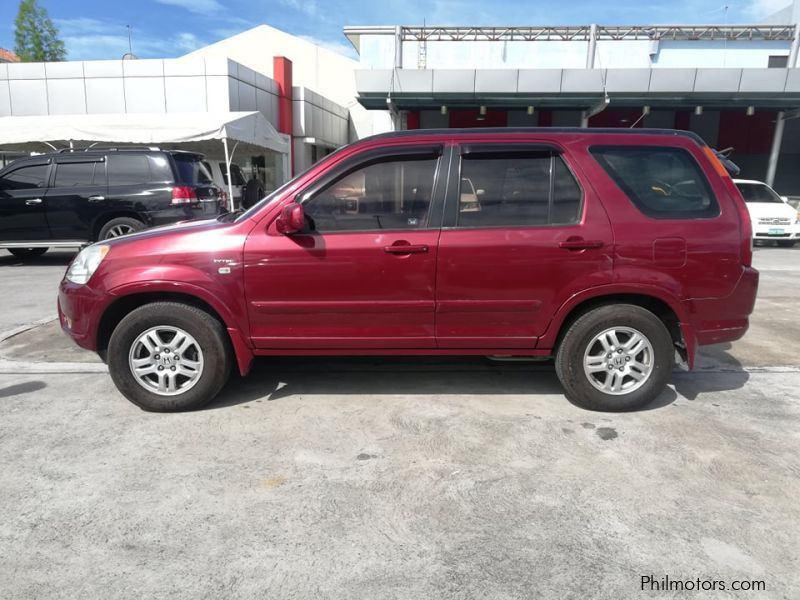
{"points": [[69, 198]]}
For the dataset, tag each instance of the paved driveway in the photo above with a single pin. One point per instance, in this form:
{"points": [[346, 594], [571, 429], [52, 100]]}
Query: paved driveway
{"points": [[403, 478]]}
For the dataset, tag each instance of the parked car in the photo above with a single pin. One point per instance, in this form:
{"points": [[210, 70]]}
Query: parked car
{"points": [[66, 199], [606, 249], [772, 216], [219, 175]]}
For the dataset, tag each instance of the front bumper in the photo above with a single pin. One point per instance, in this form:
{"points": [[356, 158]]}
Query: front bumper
{"points": [[776, 232], [79, 310]]}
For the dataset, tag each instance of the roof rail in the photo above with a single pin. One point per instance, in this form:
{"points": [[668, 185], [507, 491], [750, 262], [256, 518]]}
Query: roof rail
{"points": [[107, 148]]}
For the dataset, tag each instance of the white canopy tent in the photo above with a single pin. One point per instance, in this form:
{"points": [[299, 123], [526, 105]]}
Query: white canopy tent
{"points": [[250, 128]]}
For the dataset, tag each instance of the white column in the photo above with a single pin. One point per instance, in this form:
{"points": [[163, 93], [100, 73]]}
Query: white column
{"points": [[775, 151], [228, 169]]}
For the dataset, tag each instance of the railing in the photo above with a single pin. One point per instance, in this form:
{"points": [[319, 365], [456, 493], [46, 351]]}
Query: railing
{"points": [[582, 33]]}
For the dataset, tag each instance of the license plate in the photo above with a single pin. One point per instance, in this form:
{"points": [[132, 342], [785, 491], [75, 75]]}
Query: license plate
{"points": [[775, 231]]}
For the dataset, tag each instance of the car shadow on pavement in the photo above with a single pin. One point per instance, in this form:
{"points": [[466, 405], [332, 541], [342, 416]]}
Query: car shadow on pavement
{"points": [[51, 259], [716, 370], [278, 379], [21, 388]]}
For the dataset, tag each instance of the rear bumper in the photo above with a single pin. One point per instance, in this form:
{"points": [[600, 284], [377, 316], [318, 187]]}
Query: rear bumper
{"points": [[185, 212], [717, 320]]}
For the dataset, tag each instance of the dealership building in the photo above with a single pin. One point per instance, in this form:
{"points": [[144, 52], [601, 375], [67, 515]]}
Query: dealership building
{"points": [[735, 85]]}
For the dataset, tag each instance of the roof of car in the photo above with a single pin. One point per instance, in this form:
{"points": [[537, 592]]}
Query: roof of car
{"points": [[749, 181], [542, 130]]}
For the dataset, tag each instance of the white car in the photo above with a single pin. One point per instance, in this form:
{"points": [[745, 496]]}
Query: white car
{"points": [[772, 216], [220, 176]]}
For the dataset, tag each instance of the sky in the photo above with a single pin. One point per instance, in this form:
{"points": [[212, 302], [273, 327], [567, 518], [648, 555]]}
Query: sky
{"points": [[97, 29]]}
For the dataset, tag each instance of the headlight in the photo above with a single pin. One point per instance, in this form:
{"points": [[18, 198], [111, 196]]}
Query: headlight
{"points": [[86, 263]]}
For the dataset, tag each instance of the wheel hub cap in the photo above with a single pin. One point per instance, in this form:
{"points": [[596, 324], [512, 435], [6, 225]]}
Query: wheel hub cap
{"points": [[166, 360], [618, 360]]}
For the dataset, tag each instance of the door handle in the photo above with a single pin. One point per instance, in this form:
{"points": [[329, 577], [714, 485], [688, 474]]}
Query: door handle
{"points": [[404, 249], [580, 244], [96, 198], [33, 201]]}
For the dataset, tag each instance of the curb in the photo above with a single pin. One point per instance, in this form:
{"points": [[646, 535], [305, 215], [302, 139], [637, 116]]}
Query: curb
{"points": [[19, 367], [9, 333]]}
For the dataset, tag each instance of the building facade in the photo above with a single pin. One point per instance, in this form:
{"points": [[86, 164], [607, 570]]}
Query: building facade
{"points": [[736, 86], [209, 80]]}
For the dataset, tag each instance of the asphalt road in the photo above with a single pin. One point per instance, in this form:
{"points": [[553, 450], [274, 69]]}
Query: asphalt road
{"points": [[398, 478]]}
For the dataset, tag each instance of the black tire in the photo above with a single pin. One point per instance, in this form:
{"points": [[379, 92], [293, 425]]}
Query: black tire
{"points": [[27, 252], [253, 192], [574, 345], [786, 243], [125, 224], [210, 335]]}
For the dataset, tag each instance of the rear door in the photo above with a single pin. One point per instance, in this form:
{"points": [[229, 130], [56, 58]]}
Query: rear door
{"points": [[22, 202], [77, 196], [521, 236]]}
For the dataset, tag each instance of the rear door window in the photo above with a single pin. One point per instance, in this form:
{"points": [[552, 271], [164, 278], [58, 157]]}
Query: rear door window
{"points": [[662, 182], [78, 174], [517, 189]]}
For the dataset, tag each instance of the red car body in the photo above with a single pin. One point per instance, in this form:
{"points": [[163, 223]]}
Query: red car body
{"points": [[441, 290]]}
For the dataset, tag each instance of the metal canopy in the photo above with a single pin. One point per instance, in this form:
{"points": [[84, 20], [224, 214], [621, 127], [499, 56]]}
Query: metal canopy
{"points": [[579, 33]]}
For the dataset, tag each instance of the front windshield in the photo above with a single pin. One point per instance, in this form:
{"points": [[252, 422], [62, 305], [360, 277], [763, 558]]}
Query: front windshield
{"points": [[278, 192], [758, 192]]}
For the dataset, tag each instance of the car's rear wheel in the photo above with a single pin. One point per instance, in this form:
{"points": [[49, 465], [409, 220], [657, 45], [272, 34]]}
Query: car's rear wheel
{"points": [[614, 358], [27, 252], [168, 356], [786, 243], [119, 226]]}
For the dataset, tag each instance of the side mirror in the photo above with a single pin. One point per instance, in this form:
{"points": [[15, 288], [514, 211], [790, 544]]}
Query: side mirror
{"points": [[291, 220]]}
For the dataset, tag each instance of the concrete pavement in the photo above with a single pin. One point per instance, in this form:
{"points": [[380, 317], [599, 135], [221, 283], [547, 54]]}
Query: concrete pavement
{"points": [[405, 477]]}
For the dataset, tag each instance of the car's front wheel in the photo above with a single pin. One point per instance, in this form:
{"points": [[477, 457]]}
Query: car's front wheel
{"points": [[786, 243], [167, 357], [614, 358]]}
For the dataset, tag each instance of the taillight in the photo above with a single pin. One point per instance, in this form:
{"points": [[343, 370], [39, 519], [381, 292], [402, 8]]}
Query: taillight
{"points": [[745, 224], [184, 194]]}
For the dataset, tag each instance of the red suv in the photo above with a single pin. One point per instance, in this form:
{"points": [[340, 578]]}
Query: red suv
{"points": [[609, 250]]}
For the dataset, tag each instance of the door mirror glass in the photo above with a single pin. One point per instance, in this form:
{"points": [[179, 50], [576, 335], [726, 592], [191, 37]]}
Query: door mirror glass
{"points": [[291, 220]]}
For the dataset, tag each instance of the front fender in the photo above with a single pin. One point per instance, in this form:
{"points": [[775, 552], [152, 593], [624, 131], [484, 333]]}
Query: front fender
{"points": [[225, 303]]}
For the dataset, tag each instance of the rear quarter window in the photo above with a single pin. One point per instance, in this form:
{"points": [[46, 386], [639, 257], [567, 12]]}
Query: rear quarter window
{"points": [[128, 169], [662, 182]]}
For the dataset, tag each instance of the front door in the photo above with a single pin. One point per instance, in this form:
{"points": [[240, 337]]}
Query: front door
{"points": [[520, 237], [363, 274], [22, 203]]}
